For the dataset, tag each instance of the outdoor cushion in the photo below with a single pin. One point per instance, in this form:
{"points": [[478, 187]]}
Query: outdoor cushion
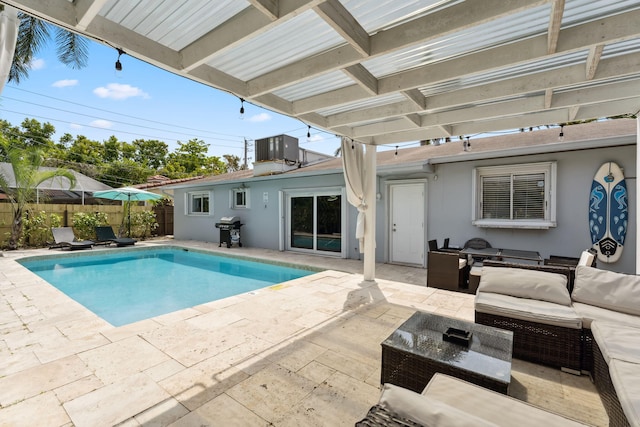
{"points": [[425, 410], [462, 263], [607, 289], [491, 406], [518, 282], [531, 310], [617, 341], [625, 377], [591, 313]]}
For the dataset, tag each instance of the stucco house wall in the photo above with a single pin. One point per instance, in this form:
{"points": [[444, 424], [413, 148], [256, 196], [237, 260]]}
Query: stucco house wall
{"points": [[448, 201], [450, 206]]}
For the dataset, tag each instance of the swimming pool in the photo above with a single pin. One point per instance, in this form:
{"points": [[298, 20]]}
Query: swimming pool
{"points": [[128, 285]]}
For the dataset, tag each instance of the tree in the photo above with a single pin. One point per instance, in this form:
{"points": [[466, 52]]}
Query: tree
{"points": [[33, 35], [151, 152], [25, 163], [233, 162]]}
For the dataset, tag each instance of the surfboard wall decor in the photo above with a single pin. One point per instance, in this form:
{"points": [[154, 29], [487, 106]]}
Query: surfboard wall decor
{"points": [[608, 212]]}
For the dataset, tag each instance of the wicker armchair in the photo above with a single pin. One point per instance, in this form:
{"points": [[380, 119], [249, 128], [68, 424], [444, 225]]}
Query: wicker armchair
{"points": [[446, 270]]}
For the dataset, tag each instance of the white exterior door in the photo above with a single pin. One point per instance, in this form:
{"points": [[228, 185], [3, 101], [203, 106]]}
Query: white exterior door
{"points": [[406, 223]]}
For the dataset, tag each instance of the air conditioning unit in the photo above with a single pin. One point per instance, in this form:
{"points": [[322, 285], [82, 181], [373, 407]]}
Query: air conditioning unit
{"points": [[280, 147]]}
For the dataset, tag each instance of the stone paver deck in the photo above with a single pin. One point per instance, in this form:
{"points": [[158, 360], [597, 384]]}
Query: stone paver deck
{"points": [[304, 353]]}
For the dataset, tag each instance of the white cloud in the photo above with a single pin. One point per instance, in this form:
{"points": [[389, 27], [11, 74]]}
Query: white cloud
{"points": [[262, 117], [37, 64], [119, 91], [316, 138], [65, 83], [75, 126], [103, 124]]}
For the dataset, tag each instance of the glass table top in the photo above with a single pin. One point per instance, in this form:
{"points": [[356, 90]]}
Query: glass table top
{"points": [[488, 353]]}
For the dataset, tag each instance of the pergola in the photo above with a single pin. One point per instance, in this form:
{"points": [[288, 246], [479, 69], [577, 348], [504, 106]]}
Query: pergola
{"points": [[385, 71]]}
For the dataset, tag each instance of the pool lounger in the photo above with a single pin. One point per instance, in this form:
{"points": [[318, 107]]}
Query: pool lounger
{"points": [[106, 236], [65, 239]]}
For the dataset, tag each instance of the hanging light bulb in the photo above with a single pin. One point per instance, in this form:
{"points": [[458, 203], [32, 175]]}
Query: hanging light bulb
{"points": [[308, 133], [352, 145], [118, 63], [466, 144], [241, 108], [561, 135], [396, 150]]}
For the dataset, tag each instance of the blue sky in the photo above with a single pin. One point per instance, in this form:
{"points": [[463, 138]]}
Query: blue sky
{"points": [[143, 102]]}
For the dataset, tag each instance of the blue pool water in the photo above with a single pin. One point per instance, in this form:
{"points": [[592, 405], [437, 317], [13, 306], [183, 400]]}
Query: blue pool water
{"points": [[126, 286]]}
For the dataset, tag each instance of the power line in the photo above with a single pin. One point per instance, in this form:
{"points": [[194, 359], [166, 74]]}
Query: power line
{"points": [[115, 113]]}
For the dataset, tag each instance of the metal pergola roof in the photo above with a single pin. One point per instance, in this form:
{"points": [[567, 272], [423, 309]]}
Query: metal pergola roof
{"points": [[386, 71]]}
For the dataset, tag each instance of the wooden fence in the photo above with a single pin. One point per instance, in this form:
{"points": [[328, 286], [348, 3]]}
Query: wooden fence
{"points": [[115, 215]]}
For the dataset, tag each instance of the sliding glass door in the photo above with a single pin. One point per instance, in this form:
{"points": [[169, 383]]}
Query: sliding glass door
{"points": [[315, 221]]}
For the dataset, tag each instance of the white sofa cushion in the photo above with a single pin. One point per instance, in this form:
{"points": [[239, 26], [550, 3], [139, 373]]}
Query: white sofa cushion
{"points": [[617, 341], [591, 313], [625, 377], [522, 283], [531, 310], [607, 289], [426, 410], [491, 406]]}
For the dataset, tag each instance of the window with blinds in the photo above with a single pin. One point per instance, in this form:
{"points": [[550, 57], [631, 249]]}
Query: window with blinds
{"points": [[517, 195]]}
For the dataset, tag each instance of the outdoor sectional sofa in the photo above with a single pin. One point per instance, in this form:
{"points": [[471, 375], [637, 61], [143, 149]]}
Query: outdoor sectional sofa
{"points": [[594, 329]]}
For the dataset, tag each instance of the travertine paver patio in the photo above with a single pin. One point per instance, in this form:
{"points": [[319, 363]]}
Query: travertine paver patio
{"points": [[306, 352]]}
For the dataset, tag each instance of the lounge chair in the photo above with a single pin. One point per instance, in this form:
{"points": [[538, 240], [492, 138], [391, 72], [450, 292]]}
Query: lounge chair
{"points": [[65, 239], [105, 235]]}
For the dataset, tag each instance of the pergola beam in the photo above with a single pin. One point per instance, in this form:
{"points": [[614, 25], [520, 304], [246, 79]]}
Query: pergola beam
{"points": [[335, 14], [555, 22]]}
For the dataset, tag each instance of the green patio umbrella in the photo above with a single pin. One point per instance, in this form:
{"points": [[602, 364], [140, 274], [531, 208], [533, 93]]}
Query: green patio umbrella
{"points": [[127, 194]]}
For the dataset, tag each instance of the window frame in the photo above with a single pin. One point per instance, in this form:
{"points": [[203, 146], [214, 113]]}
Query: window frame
{"points": [[233, 194], [191, 195], [548, 169]]}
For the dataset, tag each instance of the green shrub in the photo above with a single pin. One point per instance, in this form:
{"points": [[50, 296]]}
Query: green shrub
{"points": [[142, 223], [36, 231], [84, 224]]}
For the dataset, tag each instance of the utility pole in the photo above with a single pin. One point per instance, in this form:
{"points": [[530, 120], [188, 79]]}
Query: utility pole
{"points": [[245, 154]]}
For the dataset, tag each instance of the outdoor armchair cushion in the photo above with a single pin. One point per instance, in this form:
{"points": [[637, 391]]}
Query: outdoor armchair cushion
{"points": [[625, 377], [425, 410], [531, 310], [518, 282], [607, 289], [617, 341], [590, 313], [491, 406]]}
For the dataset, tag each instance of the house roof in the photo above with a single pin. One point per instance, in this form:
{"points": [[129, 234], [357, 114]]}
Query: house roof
{"points": [[576, 137], [386, 71], [83, 182]]}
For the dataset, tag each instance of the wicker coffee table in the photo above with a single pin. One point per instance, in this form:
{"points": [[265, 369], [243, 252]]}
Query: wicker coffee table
{"points": [[416, 350]]}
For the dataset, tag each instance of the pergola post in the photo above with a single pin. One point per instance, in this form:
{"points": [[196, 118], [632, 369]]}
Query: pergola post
{"points": [[370, 213]]}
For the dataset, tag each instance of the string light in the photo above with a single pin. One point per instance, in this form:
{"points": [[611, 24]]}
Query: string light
{"points": [[466, 145], [241, 108], [561, 136], [118, 63], [396, 150], [308, 133]]}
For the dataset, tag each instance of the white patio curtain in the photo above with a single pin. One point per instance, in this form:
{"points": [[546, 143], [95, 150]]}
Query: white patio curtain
{"points": [[9, 24], [354, 175]]}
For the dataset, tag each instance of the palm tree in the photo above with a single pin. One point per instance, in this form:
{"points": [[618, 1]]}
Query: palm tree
{"points": [[33, 34], [25, 163]]}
